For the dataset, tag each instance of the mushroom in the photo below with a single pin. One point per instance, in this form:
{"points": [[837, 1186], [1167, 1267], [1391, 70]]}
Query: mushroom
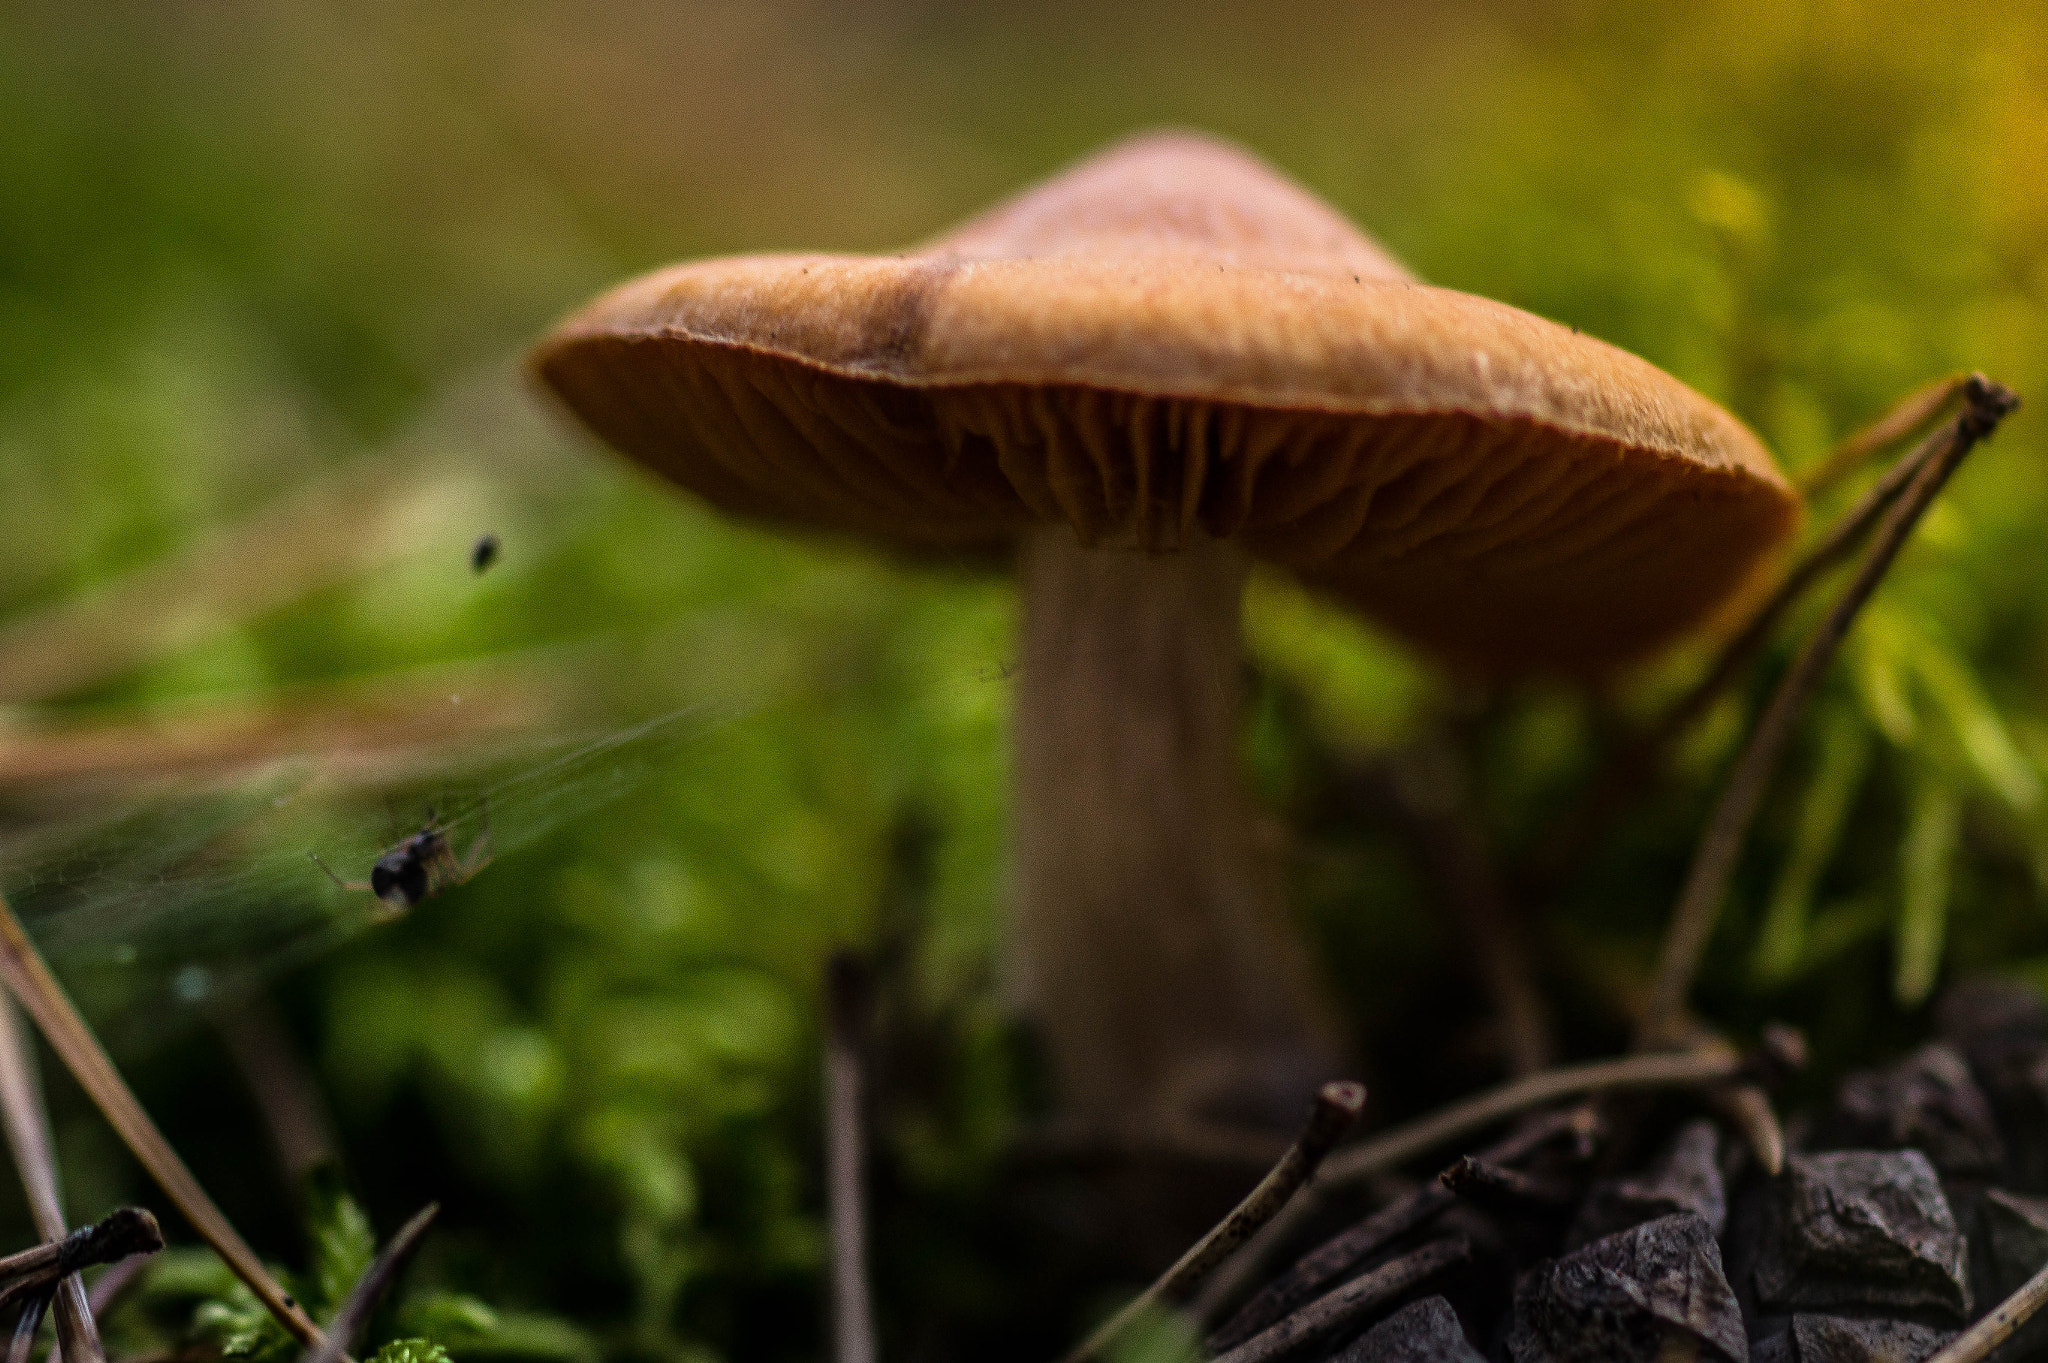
{"points": [[1145, 374]]}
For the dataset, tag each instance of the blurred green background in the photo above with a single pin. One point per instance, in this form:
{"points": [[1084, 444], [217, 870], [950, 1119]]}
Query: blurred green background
{"points": [[266, 273]]}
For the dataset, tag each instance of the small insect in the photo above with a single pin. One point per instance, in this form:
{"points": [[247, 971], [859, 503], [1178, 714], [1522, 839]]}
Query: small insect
{"points": [[418, 868], [484, 554]]}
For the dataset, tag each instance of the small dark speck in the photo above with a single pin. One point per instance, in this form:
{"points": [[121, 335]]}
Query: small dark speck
{"points": [[1575, 331], [1355, 279], [484, 554], [289, 1300]]}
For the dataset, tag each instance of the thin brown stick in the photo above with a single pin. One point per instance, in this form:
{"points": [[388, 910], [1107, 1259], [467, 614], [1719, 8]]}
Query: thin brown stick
{"points": [[1976, 1344], [120, 1234], [849, 999], [1636, 760], [347, 1326], [1494, 1187], [78, 1334], [1328, 1314], [1704, 1065], [28, 1134], [25, 1326], [23, 971], [1909, 414], [387, 722], [1316, 1270], [1692, 920], [1842, 539], [1336, 1107], [1747, 1108]]}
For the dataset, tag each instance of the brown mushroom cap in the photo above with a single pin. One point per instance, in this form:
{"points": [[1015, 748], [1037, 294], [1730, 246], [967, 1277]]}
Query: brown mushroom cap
{"points": [[1168, 336]]}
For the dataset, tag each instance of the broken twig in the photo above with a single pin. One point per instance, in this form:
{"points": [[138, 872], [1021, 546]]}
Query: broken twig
{"points": [[1360, 1296], [1748, 1109], [32, 1272], [1494, 1187], [28, 1134], [1985, 404], [1976, 1343], [347, 1326], [1636, 760], [1841, 540], [1708, 1065], [26, 1324], [1904, 417], [1671, 1069], [1316, 1270], [31, 982], [1336, 1107]]}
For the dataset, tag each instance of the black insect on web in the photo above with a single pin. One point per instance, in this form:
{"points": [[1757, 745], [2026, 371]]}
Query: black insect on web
{"points": [[203, 894], [419, 867]]}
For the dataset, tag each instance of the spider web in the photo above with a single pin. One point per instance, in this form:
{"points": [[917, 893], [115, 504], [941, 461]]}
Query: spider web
{"points": [[197, 897]]}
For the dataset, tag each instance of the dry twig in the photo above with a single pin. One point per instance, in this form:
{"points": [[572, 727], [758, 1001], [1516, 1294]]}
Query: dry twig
{"points": [[1985, 404], [1842, 539], [1336, 1256], [28, 1134], [1707, 1066], [1494, 1187], [1748, 1109], [24, 972], [1904, 417], [1976, 1344], [1704, 1065], [36, 1271], [388, 724], [22, 1347], [1336, 1107], [347, 1326], [1357, 1298], [1634, 762]]}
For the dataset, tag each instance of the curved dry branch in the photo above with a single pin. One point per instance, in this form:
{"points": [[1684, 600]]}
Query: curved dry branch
{"points": [[1985, 404], [1336, 1107], [31, 982]]}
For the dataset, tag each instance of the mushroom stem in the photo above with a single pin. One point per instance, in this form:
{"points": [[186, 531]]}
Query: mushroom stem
{"points": [[1153, 946]]}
